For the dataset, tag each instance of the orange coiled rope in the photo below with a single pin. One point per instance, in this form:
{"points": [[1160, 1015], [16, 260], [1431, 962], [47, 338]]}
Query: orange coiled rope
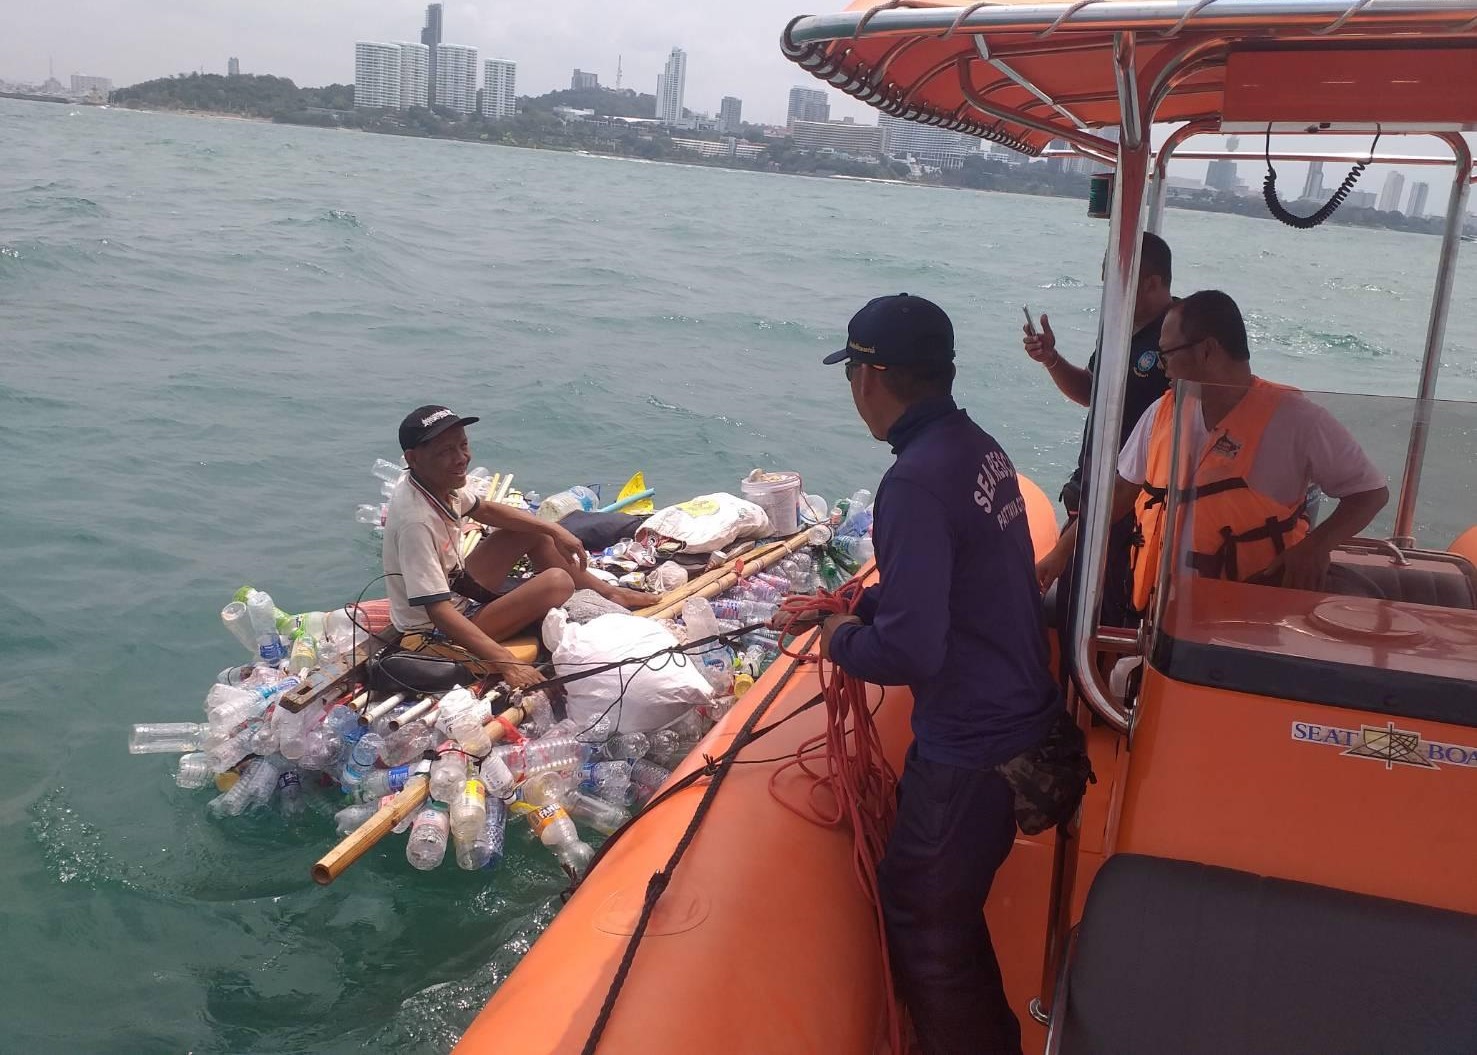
{"points": [[846, 765]]}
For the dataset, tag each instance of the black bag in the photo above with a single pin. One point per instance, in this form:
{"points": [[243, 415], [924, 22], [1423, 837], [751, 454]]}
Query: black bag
{"points": [[417, 672], [596, 531], [1050, 779]]}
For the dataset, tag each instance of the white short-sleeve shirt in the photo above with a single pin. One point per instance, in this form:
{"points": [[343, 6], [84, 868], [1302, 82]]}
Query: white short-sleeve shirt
{"points": [[1303, 444], [422, 552]]}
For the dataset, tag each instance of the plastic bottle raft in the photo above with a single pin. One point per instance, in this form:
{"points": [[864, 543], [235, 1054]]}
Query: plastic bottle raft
{"points": [[294, 733]]}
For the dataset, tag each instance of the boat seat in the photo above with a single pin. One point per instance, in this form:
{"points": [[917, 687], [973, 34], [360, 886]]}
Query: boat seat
{"points": [[1173, 956], [1438, 579]]}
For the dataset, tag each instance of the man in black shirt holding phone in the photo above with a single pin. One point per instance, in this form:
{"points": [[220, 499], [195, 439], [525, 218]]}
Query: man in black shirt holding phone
{"points": [[1146, 383]]}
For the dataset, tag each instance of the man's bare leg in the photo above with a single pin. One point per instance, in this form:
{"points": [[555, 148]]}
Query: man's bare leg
{"points": [[493, 560], [527, 604]]}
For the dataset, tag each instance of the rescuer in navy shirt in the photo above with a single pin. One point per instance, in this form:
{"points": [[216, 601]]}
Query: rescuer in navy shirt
{"points": [[957, 618]]}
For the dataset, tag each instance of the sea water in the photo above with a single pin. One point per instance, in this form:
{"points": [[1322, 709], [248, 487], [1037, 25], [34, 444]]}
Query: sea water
{"points": [[211, 330]]}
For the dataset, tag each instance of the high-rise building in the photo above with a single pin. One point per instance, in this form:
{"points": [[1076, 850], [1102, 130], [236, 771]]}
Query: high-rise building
{"points": [[455, 70], [1313, 185], [81, 85], [430, 37], [808, 104], [415, 75], [730, 114], [846, 137], [376, 76], [937, 147], [671, 83], [499, 93], [1390, 196], [1221, 175], [1419, 192], [233, 67], [582, 81]]}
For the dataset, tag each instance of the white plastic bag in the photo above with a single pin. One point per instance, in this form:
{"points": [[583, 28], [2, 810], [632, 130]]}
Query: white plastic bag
{"points": [[650, 696], [709, 522]]}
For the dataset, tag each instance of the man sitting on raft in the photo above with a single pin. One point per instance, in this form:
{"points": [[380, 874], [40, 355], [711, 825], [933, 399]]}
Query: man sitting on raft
{"points": [[1256, 448], [431, 586]]}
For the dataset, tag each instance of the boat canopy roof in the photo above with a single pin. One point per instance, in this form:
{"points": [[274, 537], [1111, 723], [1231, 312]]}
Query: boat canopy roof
{"points": [[1024, 74]]}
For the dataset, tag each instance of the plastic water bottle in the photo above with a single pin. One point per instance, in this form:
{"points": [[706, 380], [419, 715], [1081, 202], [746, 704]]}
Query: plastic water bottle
{"points": [[381, 782], [157, 738], [304, 652], [545, 788], [426, 847], [647, 776], [264, 737], [697, 616], [557, 507], [263, 614], [373, 515], [448, 773], [497, 777], [539, 713], [238, 621], [604, 817], [407, 743], [257, 783], [194, 770], [542, 756], [610, 781], [555, 829], [228, 752], [469, 825], [292, 729], [626, 747], [350, 818], [668, 748], [387, 471], [290, 794], [496, 833], [466, 729], [361, 760]]}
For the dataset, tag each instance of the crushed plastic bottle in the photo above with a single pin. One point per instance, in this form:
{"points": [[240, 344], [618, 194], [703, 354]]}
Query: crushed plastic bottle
{"points": [[539, 714], [698, 617]]}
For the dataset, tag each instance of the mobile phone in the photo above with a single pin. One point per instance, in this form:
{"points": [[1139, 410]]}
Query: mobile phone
{"points": [[1030, 322]]}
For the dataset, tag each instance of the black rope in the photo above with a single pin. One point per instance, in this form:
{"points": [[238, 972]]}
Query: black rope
{"points": [[659, 881], [1339, 196]]}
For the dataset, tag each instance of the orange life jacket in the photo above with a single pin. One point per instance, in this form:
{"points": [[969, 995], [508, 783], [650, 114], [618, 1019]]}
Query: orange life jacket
{"points": [[1236, 531]]}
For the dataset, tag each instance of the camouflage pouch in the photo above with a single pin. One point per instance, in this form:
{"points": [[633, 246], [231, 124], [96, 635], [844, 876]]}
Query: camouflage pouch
{"points": [[1050, 779]]}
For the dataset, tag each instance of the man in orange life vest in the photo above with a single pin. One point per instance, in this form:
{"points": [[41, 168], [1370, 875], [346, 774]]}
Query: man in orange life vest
{"points": [[1256, 448]]}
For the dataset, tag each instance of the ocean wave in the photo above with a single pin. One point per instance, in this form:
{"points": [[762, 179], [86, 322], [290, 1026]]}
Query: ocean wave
{"points": [[68, 205], [72, 848], [1063, 282]]}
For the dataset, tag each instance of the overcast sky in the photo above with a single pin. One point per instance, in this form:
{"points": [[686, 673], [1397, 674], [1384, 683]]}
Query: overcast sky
{"points": [[732, 48]]}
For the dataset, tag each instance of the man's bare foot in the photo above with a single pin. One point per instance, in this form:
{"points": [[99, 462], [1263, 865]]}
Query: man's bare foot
{"points": [[631, 599]]}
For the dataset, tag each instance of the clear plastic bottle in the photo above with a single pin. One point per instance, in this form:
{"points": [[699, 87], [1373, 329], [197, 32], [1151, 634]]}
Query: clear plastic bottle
{"points": [[548, 787], [407, 743], [466, 729], [626, 747], [290, 794], [381, 782], [350, 818], [542, 756], [387, 471], [426, 847], [648, 777], [194, 770], [264, 735], [228, 706], [303, 655], [610, 781], [497, 777], [158, 738], [604, 817], [448, 773], [373, 515], [668, 748], [263, 615], [238, 621], [361, 760], [292, 729], [555, 829], [698, 618], [469, 825], [558, 506], [539, 713], [228, 752], [496, 833], [258, 781]]}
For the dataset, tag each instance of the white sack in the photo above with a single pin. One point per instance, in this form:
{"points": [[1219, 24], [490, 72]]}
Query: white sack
{"points": [[710, 522], [652, 697]]}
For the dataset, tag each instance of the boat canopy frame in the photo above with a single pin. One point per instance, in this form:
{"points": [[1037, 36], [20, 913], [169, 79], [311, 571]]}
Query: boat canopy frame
{"points": [[1185, 45]]}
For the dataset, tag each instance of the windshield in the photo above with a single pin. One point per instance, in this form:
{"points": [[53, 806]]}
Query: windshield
{"points": [[1248, 472]]}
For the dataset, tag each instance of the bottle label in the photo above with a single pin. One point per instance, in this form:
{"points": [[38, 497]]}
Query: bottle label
{"points": [[474, 790], [395, 779], [290, 779], [544, 816]]}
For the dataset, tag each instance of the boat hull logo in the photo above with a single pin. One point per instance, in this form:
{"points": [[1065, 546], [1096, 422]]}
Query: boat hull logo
{"points": [[1387, 744]]}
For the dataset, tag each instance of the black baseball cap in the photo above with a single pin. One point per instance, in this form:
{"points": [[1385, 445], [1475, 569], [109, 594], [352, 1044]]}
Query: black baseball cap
{"points": [[424, 424], [898, 330]]}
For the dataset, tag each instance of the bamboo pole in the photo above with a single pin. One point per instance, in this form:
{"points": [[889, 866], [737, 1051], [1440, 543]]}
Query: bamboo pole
{"points": [[363, 838], [755, 560]]}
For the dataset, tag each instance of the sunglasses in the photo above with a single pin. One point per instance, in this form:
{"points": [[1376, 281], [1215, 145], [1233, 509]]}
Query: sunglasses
{"points": [[852, 366], [1180, 347]]}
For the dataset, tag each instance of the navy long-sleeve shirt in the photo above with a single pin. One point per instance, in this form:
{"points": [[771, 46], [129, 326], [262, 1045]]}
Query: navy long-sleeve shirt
{"points": [[957, 614]]}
